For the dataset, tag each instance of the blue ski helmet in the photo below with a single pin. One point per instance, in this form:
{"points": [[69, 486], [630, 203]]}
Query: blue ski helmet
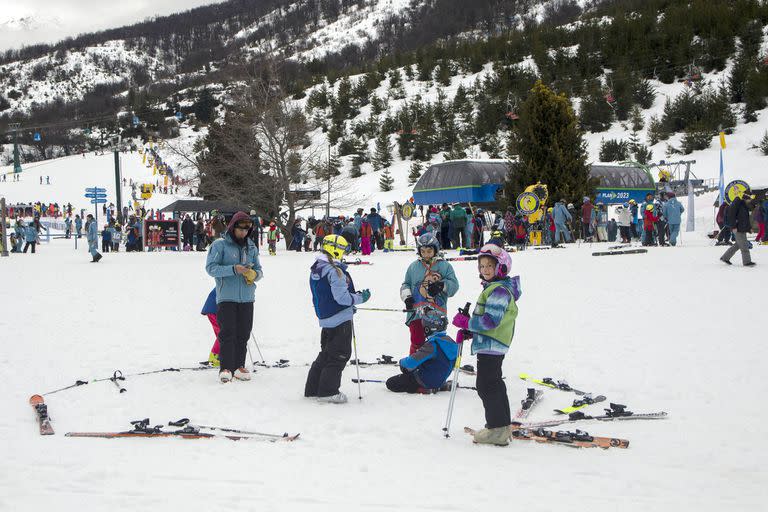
{"points": [[433, 321], [427, 240]]}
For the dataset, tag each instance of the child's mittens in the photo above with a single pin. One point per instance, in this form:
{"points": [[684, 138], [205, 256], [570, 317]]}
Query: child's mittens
{"points": [[365, 295], [461, 321], [460, 336]]}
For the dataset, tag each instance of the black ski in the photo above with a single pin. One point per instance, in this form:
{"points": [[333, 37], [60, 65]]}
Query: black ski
{"points": [[628, 251]]}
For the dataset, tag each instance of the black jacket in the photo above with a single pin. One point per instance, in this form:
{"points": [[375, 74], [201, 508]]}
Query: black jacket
{"points": [[187, 227], [737, 216]]}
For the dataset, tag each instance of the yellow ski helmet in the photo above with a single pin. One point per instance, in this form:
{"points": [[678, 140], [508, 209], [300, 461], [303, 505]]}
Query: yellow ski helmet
{"points": [[649, 207], [335, 246]]}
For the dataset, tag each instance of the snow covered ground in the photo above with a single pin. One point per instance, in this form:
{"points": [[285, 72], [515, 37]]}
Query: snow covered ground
{"points": [[671, 330]]}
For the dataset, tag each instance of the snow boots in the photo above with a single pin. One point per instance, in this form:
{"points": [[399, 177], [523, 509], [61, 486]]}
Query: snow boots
{"points": [[225, 376], [338, 398], [96, 258], [497, 436], [242, 374]]}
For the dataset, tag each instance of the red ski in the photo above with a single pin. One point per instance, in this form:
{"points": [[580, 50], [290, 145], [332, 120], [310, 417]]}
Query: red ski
{"points": [[41, 410]]}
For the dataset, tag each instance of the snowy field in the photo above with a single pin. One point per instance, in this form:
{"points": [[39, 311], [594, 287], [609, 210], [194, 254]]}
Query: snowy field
{"points": [[672, 330]]}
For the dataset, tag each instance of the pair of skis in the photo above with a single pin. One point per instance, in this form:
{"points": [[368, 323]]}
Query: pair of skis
{"points": [[142, 428], [577, 439], [585, 400]]}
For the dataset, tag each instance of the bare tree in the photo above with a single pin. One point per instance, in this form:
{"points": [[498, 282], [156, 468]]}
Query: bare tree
{"points": [[261, 157]]}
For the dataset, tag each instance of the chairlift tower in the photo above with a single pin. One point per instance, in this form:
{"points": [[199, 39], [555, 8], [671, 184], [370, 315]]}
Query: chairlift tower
{"points": [[14, 127]]}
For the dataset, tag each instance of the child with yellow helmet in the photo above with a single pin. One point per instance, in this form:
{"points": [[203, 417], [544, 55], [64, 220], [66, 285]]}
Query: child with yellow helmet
{"points": [[334, 298]]}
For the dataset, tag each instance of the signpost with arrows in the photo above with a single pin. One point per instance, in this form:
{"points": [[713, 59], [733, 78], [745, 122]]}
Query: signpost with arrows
{"points": [[97, 196]]}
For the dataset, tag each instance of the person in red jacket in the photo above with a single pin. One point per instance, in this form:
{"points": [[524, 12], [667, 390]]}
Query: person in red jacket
{"points": [[649, 224]]}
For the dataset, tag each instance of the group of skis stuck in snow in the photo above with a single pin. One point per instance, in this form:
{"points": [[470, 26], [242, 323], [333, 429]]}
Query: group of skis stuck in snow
{"points": [[434, 355]]}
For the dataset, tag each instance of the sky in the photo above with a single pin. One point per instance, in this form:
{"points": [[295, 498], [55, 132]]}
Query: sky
{"points": [[57, 19]]}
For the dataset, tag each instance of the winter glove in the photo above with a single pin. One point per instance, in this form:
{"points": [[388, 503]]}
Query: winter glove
{"points": [[436, 288], [409, 303], [460, 336], [365, 294], [251, 276], [461, 321]]}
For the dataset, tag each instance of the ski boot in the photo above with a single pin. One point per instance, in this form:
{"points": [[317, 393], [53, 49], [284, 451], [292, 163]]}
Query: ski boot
{"points": [[213, 360], [338, 398], [242, 374], [225, 376], [498, 436]]}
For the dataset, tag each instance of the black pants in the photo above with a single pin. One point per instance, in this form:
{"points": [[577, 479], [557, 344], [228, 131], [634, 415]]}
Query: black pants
{"points": [[624, 230], [661, 232], [403, 383], [235, 320], [26, 246], [492, 391], [324, 376], [105, 245], [187, 240]]}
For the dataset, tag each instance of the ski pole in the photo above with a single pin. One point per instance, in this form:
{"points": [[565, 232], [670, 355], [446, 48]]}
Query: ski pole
{"points": [[257, 346], [248, 349], [118, 375], [455, 383], [386, 309], [357, 362], [185, 421]]}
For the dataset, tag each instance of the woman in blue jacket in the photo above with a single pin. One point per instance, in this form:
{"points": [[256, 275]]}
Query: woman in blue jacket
{"points": [[334, 298], [233, 261]]}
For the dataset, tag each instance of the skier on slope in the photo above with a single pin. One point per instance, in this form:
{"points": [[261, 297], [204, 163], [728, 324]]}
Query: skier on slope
{"points": [[492, 326], [426, 370], [429, 280], [334, 298], [92, 235]]}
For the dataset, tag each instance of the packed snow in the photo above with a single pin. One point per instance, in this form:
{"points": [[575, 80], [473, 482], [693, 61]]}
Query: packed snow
{"points": [[659, 331]]}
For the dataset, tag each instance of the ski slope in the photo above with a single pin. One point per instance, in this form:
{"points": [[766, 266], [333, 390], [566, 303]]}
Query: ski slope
{"points": [[670, 330], [70, 176]]}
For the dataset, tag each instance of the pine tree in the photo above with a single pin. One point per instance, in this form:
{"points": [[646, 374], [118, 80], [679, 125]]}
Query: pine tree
{"points": [[596, 113], [357, 161], [415, 174], [764, 144], [386, 182], [554, 151], [636, 118], [382, 157], [205, 106], [456, 152]]}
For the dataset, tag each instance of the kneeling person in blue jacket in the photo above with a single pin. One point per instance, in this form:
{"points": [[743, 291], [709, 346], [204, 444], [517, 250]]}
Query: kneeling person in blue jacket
{"points": [[430, 366]]}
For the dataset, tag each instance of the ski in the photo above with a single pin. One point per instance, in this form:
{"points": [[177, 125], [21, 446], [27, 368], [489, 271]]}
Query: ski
{"points": [[580, 416], [445, 387], [184, 422], [384, 360], [358, 261], [551, 383], [142, 429], [580, 403], [577, 439], [41, 411], [611, 253], [462, 258], [532, 398], [280, 363]]}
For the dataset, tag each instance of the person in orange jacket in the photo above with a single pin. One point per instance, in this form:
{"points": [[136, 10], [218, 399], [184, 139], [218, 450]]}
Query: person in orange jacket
{"points": [[389, 237], [649, 224]]}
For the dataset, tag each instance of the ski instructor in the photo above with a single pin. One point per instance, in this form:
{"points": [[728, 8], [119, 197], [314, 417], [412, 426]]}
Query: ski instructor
{"points": [[234, 263]]}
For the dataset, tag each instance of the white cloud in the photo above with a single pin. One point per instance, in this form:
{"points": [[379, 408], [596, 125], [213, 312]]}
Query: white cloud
{"points": [[46, 21]]}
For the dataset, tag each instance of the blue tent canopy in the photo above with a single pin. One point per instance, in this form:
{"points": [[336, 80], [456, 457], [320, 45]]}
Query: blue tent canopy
{"points": [[461, 181], [482, 182]]}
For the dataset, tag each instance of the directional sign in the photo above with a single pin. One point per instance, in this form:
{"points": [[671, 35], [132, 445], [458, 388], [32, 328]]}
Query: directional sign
{"points": [[95, 196], [98, 201], [95, 189]]}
